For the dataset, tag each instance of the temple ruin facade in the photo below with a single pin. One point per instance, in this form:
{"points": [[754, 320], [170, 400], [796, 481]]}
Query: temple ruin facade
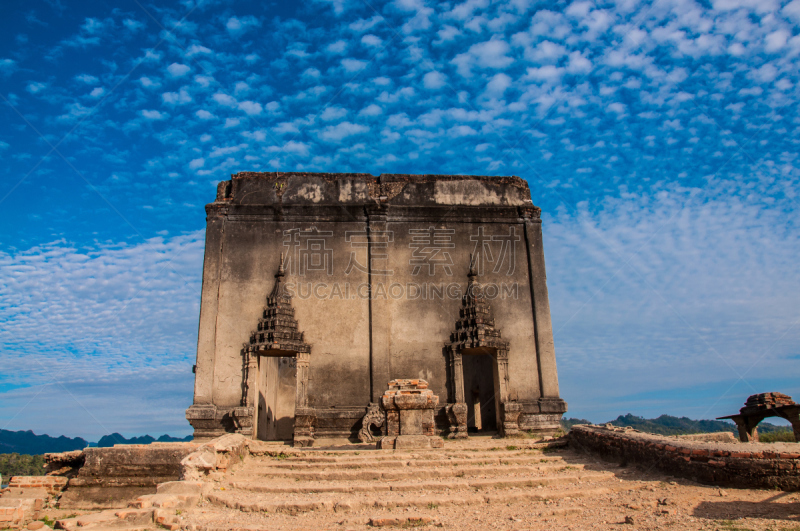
{"points": [[324, 292]]}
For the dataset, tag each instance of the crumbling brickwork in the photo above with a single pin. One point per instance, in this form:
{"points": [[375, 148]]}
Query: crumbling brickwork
{"points": [[725, 464]]}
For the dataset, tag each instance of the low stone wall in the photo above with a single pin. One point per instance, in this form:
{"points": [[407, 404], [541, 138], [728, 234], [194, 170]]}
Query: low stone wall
{"points": [[730, 464], [111, 477], [26, 496], [52, 485]]}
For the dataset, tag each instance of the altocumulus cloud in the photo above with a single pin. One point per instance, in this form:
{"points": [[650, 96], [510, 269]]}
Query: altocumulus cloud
{"points": [[620, 116], [77, 321]]}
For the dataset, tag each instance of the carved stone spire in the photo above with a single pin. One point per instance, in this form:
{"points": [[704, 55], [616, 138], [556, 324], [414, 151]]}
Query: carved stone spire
{"points": [[475, 327], [277, 328]]}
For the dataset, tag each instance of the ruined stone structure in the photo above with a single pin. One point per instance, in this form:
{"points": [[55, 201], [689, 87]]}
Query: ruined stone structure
{"points": [[320, 289], [409, 406], [731, 463], [761, 406]]}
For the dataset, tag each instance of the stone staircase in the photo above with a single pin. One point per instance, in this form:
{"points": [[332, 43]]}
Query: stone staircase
{"points": [[352, 481], [278, 487]]}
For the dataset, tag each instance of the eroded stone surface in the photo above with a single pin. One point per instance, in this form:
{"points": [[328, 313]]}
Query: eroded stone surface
{"points": [[409, 406], [374, 270]]}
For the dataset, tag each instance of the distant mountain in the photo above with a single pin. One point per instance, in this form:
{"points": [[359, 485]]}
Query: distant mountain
{"points": [[26, 442], [107, 441], [669, 425]]}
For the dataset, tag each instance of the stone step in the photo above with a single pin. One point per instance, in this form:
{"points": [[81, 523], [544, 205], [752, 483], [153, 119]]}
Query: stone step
{"points": [[292, 464], [400, 473], [118, 519], [448, 485], [393, 455], [235, 500]]}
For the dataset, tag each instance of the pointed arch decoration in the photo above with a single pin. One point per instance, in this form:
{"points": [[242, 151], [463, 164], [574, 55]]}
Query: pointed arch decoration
{"points": [[278, 335], [476, 333]]}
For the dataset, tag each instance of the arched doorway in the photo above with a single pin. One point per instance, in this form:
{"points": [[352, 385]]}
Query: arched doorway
{"points": [[478, 370], [277, 376]]}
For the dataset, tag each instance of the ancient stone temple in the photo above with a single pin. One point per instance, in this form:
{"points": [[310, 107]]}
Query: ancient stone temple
{"points": [[324, 292]]}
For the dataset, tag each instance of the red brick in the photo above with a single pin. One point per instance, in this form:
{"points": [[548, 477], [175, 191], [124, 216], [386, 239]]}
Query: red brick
{"points": [[740, 454], [789, 456]]}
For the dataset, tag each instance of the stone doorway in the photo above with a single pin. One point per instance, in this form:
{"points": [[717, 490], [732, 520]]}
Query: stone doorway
{"points": [[276, 398], [480, 393], [275, 386]]}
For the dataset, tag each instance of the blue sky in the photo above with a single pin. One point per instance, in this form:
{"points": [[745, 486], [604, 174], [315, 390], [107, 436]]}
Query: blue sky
{"points": [[660, 138]]}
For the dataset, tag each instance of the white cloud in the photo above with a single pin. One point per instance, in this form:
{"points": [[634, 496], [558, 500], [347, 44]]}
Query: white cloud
{"points": [[237, 26], [353, 65], [759, 6], [35, 87], [97, 92], [153, 115], [204, 81], [197, 163], [371, 40], [337, 48], [204, 115], [489, 54], [546, 52], [792, 10], [399, 121], [333, 113], [227, 150], [335, 133], [132, 25], [181, 97], [434, 80], [422, 13], [446, 34], [113, 316], [146, 82], [311, 73], [498, 85], [195, 49], [291, 147], [86, 78], [578, 64], [465, 10], [224, 99], [178, 70], [617, 108], [776, 40], [371, 110], [461, 130], [252, 108], [547, 73]]}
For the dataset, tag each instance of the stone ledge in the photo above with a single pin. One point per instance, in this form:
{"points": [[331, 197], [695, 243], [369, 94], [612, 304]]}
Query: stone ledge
{"points": [[728, 464]]}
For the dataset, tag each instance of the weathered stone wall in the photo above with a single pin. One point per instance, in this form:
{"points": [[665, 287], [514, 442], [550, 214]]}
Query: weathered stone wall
{"points": [[111, 477], [374, 303], [727, 464]]}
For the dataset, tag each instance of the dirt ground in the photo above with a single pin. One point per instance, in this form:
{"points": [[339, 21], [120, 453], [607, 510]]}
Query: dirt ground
{"points": [[634, 499]]}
